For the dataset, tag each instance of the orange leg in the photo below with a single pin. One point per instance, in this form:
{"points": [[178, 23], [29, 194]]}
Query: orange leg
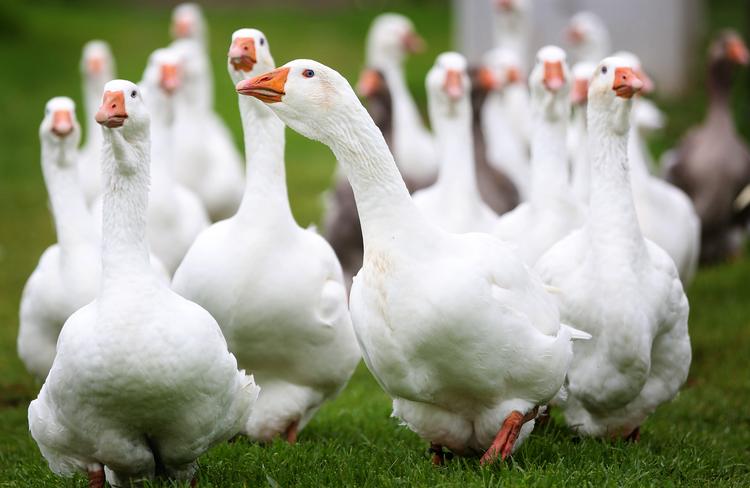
{"points": [[291, 432], [96, 478], [438, 456], [507, 435]]}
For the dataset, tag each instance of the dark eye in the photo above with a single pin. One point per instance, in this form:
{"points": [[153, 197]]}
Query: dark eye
{"points": [[308, 73], [133, 94], [262, 41], [604, 70]]}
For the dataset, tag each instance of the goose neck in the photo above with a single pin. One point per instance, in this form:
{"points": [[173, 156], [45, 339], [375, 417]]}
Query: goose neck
{"points": [[406, 116], [453, 135], [125, 168], [92, 89], [383, 202], [612, 223], [74, 223], [549, 176], [265, 188], [161, 148]]}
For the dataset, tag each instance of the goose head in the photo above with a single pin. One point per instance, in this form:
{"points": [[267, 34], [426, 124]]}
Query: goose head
{"points": [[504, 66], [249, 55], [448, 86], [163, 73], [729, 47], [97, 63], [188, 22], [59, 126], [587, 34], [309, 97], [122, 109], [635, 62], [611, 90], [549, 84], [582, 73], [390, 39]]}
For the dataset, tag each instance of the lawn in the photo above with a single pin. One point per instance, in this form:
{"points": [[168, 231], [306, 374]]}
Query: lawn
{"points": [[700, 439]]}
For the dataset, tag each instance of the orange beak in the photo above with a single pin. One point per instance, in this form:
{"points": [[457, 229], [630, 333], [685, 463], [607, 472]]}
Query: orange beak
{"points": [[485, 79], [413, 43], [170, 79], [452, 85], [62, 122], [737, 51], [514, 75], [267, 88], [182, 27], [553, 75], [626, 83], [370, 82], [242, 54], [95, 65], [575, 34], [112, 111], [580, 91], [648, 84]]}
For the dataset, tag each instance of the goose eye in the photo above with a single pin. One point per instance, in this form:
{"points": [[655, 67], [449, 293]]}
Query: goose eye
{"points": [[133, 94], [262, 41], [604, 70], [308, 73]]}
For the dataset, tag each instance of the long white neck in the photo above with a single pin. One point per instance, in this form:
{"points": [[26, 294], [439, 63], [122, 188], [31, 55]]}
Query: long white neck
{"points": [[406, 118], [549, 175], [92, 97], [383, 202], [125, 168], [266, 199], [73, 222], [455, 145], [579, 154], [511, 32], [162, 147], [612, 223]]}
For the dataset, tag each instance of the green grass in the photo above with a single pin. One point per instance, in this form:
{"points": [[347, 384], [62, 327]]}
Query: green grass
{"points": [[700, 439]]}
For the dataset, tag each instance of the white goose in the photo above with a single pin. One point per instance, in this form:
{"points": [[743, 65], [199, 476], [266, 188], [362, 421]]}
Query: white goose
{"points": [[505, 119], [589, 37], [552, 210], [665, 213], [390, 39], [67, 276], [209, 163], [453, 326], [97, 68], [286, 317], [175, 214], [616, 285], [142, 383], [453, 202]]}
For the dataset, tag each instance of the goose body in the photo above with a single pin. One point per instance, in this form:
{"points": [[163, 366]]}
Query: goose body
{"points": [[453, 202], [621, 288], [97, 68], [142, 382], [434, 312], [552, 210], [286, 317]]}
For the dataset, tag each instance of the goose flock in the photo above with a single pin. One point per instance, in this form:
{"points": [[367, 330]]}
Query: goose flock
{"points": [[519, 256]]}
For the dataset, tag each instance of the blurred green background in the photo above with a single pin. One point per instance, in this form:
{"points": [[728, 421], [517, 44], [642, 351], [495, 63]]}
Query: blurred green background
{"points": [[702, 437]]}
